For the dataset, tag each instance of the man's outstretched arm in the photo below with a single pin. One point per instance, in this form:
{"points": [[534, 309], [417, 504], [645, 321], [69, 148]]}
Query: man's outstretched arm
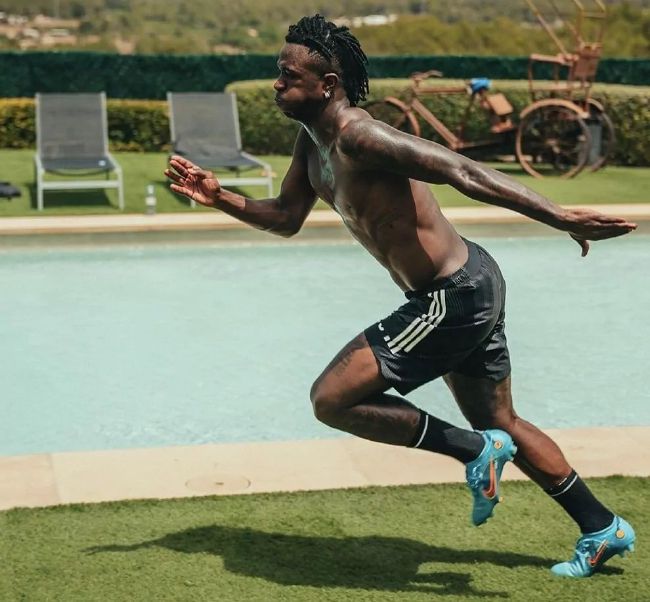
{"points": [[377, 145], [283, 215]]}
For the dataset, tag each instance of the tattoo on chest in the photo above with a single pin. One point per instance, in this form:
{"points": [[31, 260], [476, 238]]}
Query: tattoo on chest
{"points": [[327, 174]]}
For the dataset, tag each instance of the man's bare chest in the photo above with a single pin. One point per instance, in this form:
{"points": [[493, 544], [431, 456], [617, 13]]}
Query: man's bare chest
{"points": [[336, 183]]}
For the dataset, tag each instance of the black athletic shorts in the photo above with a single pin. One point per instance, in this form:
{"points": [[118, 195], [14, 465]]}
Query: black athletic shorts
{"points": [[454, 325]]}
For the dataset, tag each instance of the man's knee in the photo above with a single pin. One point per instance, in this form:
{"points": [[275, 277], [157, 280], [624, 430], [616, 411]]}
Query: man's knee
{"points": [[324, 403]]}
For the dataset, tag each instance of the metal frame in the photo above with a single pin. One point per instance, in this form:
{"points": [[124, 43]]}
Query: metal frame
{"points": [[574, 85], [39, 171], [266, 180], [582, 13], [582, 62], [412, 107]]}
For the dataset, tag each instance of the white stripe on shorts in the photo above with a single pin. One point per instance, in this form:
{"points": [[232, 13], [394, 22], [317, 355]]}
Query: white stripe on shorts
{"points": [[421, 326], [436, 321]]}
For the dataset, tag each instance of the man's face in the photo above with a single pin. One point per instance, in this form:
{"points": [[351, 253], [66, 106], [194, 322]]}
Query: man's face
{"points": [[299, 88]]}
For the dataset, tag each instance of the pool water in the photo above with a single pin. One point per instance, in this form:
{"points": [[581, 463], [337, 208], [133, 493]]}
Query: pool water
{"points": [[123, 346]]}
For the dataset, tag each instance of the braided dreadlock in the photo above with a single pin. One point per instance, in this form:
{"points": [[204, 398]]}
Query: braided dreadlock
{"points": [[336, 45]]}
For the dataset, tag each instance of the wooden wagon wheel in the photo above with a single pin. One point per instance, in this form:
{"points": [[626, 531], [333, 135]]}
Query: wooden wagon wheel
{"points": [[553, 139], [396, 113]]}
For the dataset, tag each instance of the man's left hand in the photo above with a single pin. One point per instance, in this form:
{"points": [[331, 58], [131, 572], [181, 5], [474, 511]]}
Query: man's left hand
{"points": [[584, 225]]}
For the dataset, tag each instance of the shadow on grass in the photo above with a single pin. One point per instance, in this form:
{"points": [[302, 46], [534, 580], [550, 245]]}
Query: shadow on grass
{"points": [[97, 197], [375, 563]]}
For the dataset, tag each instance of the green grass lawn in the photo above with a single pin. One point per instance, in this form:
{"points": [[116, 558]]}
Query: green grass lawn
{"points": [[396, 543], [611, 185]]}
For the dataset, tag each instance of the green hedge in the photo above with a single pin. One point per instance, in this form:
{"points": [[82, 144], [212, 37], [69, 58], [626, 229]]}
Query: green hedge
{"points": [[133, 125], [22, 74], [137, 125]]}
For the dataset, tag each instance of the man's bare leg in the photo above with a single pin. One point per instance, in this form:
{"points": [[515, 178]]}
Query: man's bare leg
{"points": [[350, 395], [488, 404]]}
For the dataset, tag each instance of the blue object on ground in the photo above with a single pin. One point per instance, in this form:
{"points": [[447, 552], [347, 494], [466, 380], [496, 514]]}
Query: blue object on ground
{"points": [[478, 84]]}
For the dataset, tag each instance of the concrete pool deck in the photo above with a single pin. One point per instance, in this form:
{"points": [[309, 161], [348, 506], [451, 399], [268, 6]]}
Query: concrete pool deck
{"points": [[240, 468], [205, 220], [84, 477]]}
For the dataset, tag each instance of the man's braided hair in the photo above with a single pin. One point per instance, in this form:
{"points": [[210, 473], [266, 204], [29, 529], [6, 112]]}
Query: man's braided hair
{"points": [[337, 46]]}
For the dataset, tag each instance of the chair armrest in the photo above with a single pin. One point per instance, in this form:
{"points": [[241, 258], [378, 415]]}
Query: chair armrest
{"points": [[419, 76], [114, 164]]}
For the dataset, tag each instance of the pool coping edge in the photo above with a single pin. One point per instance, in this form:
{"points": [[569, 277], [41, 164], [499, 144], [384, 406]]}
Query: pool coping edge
{"points": [[41, 480], [202, 220]]}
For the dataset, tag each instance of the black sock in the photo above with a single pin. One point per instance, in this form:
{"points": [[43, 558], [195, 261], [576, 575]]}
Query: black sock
{"points": [[438, 436], [580, 504]]}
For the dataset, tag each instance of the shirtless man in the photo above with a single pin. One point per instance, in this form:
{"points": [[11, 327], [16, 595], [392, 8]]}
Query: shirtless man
{"points": [[452, 324]]}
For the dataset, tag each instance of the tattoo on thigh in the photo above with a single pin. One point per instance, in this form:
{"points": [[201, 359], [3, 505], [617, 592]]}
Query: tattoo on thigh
{"points": [[344, 357]]}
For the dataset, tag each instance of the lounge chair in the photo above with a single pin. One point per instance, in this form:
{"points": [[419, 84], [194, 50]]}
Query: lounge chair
{"points": [[72, 139], [204, 128]]}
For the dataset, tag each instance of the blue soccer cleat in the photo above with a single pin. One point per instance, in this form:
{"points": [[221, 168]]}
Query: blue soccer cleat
{"points": [[594, 549], [483, 474]]}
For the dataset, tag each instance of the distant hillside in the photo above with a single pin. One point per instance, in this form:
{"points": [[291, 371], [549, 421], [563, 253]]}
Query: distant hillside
{"points": [[445, 10], [220, 26]]}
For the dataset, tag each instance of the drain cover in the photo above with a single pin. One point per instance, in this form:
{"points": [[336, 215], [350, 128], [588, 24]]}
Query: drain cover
{"points": [[218, 483]]}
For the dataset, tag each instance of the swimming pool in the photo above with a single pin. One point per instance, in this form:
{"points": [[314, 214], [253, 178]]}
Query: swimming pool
{"points": [[138, 345]]}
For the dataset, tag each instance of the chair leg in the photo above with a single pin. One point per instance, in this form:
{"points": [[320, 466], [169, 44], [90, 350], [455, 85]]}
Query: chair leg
{"points": [[37, 181], [39, 194], [120, 192]]}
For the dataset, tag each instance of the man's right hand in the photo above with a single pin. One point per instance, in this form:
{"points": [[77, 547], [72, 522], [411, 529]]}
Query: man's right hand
{"points": [[193, 182]]}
